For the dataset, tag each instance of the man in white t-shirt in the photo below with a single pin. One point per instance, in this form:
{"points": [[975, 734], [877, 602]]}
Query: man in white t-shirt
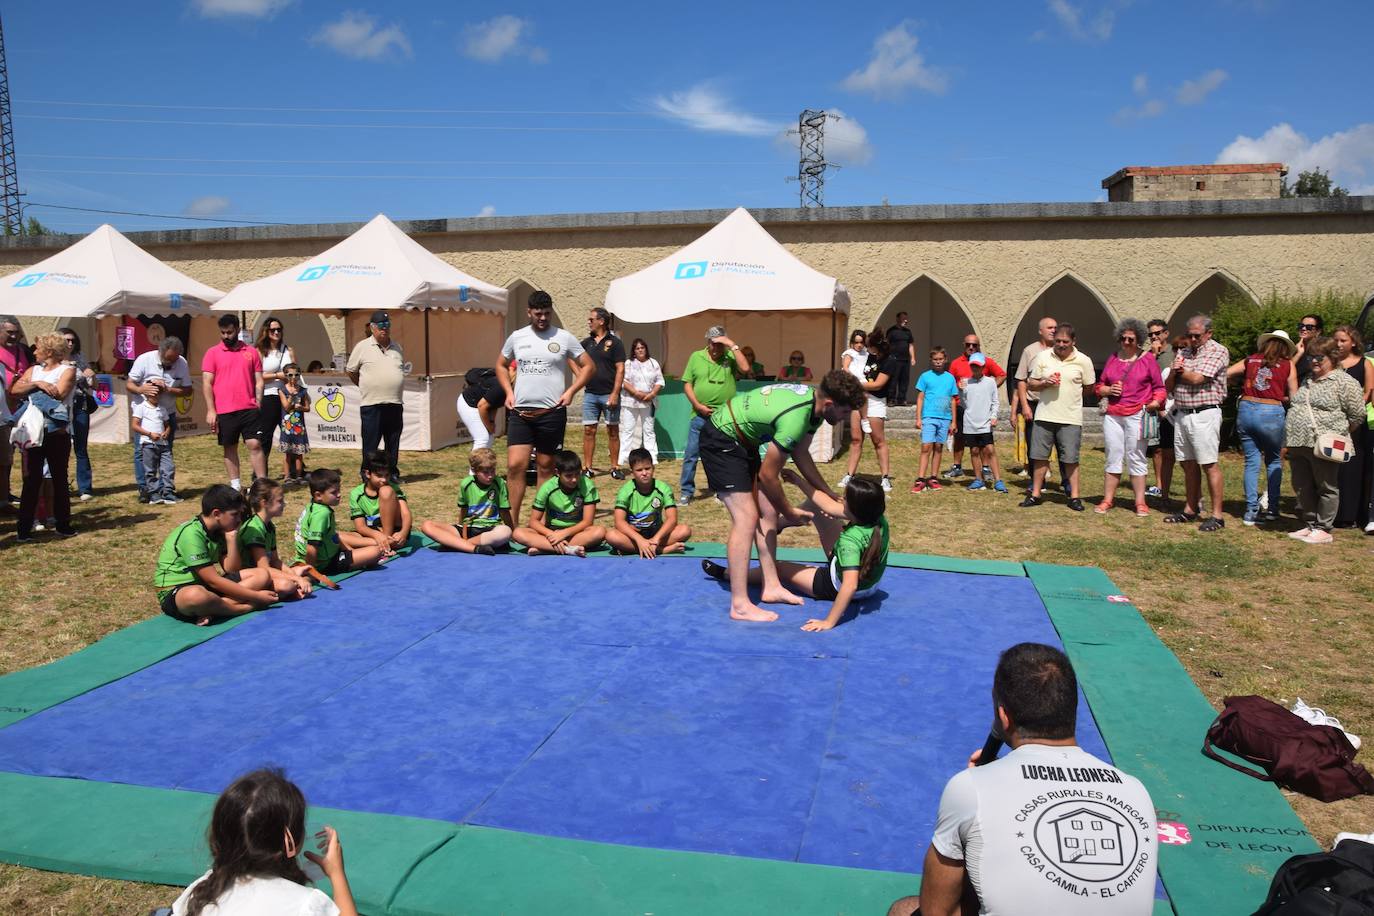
{"points": [[537, 404], [1048, 828], [1059, 376], [163, 374]]}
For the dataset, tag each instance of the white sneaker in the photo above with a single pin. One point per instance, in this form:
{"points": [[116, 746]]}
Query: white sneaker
{"points": [[887, 484], [1300, 535], [844, 481], [1317, 536], [1369, 529], [1360, 837], [86, 497], [38, 526], [1318, 716]]}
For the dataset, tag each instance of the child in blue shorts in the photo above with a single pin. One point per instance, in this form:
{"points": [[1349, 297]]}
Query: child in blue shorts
{"points": [[935, 389]]}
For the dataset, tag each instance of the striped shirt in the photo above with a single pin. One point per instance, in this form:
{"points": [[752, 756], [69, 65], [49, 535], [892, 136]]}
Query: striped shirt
{"points": [[1210, 359]]}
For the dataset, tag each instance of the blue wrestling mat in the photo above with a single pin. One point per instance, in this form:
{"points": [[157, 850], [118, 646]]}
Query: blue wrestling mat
{"points": [[606, 699]]}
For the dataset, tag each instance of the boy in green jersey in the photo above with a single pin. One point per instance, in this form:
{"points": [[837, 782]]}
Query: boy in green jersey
{"points": [[319, 544], [645, 514], [189, 587], [378, 507], [564, 511], [784, 418], [484, 519]]}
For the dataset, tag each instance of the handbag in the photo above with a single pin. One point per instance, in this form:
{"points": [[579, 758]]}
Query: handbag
{"points": [[28, 428], [1337, 448], [1316, 760]]}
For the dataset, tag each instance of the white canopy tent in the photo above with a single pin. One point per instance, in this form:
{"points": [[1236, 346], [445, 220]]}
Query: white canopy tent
{"points": [[739, 276], [103, 274], [380, 267]]}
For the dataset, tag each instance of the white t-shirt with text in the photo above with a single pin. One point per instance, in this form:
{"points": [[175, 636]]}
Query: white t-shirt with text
{"points": [[539, 360]]}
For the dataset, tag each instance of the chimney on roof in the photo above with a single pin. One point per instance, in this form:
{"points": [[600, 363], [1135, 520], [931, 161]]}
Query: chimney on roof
{"points": [[1248, 181]]}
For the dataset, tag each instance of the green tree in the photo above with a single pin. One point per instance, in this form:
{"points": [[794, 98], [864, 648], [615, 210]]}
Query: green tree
{"points": [[1238, 321], [1312, 183], [34, 227]]}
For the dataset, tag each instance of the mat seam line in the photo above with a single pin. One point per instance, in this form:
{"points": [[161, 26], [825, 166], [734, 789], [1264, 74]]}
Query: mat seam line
{"points": [[467, 818], [422, 858], [820, 770]]}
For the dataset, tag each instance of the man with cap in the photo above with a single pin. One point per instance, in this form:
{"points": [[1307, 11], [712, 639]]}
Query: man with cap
{"points": [[377, 367], [709, 382]]}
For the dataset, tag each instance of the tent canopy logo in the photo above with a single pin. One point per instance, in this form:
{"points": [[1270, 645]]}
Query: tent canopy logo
{"points": [[690, 270], [30, 279], [313, 273]]}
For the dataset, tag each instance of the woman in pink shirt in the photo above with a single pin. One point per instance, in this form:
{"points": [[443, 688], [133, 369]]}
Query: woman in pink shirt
{"points": [[1131, 386]]}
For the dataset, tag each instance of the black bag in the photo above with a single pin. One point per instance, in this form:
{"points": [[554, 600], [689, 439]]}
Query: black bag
{"points": [[1335, 883], [1316, 760], [477, 376]]}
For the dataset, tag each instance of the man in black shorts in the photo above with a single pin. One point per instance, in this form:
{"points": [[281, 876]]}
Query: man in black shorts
{"points": [[232, 375], [537, 404]]}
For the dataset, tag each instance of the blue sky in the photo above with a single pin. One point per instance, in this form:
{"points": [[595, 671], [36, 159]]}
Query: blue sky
{"points": [[297, 111]]}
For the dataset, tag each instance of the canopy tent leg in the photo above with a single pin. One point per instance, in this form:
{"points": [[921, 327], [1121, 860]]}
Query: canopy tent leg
{"points": [[426, 343], [833, 318]]}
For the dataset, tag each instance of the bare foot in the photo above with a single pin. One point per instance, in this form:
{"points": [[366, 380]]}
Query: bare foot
{"points": [[674, 548], [533, 551], [752, 612], [779, 595], [572, 550], [204, 622]]}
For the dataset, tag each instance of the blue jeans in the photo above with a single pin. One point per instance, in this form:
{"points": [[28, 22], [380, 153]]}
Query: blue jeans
{"points": [[691, 453], [161, 479], [81, 431], [139, 474], [1261, 436]]}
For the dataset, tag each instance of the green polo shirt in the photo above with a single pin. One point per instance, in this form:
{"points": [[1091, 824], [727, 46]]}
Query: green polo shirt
{"points": [[850, 547], [189, 547], [783, 414], [481, 506], [563, 509], [256, 533], [360, 505], [316, 526], [713, 381], [644, 510]]}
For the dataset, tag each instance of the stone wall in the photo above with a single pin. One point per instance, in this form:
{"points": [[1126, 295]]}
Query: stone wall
{"points": [[1239, 186]]}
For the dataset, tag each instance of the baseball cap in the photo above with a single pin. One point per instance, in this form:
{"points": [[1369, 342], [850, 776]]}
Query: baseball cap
{"points": [[977, 359], [380, 315], [715, 330]]}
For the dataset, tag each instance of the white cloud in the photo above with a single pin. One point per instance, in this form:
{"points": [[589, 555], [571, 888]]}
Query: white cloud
{"points": [[244, 9], [846, 141], [1348, 154], [356, 34], [209, 205], [504, 36], [488, 210], [1141, 85], [1193, 92], [895, 67], [1150, 108], [703, 108], [1082, 26]]}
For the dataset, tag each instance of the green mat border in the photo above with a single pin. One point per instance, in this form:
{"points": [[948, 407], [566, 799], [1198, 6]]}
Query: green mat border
{"points": [[1148, 710]]}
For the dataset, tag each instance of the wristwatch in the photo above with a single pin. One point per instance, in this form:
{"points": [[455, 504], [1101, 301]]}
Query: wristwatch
{"points": [[734, 347]]}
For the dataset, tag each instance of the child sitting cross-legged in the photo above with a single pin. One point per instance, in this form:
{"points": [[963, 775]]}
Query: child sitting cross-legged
{"points": [[319, 544], [257, 540], [378, 506], [484, 520], [645, 513], [189, 588], [562, 520]]}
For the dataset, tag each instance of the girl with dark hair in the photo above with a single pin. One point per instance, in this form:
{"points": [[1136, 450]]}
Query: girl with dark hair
{"points": [[1355, 475], [257, 833], [643, 381], [854, 535], [257, 541], [276, 356], [83, 405]]}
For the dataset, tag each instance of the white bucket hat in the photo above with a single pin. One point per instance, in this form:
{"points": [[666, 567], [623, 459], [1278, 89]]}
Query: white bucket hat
{"points": [[1282, 335]]}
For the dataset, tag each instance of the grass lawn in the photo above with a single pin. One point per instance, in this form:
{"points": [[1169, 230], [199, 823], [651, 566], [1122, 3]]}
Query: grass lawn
{"points": [[1245, 609]]}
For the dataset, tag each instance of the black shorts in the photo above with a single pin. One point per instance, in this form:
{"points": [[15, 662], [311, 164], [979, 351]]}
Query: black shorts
{"points": [[823, 586], [169, 600], [977, 440], [342, 562], [730, 467], [644, 533], [1166, 434], [239, 424], [544, 432]]}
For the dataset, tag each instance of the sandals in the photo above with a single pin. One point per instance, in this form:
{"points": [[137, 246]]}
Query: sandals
{"points": [[1181, 518], [1212, 524]]}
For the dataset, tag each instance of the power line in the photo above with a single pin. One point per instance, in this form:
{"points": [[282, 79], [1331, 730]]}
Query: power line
{"points": [[196, 219], [293, 125], [399, 177], [561, 162], [457, 111]]}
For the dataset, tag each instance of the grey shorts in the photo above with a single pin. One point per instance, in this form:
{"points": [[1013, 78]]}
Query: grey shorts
{"points": [[1064, 437]]}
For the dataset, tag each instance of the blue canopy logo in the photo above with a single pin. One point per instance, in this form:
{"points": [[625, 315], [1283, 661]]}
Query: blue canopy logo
{"points": [[30, 279], [690, 270], [313, 273]]}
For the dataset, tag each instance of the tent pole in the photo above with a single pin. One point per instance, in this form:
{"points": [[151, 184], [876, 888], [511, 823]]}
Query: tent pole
{"points": [[426, 343], [834, 315]]}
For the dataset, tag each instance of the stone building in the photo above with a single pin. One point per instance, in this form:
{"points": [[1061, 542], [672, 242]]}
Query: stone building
{"points": [[1255, 181], [994, 269]]}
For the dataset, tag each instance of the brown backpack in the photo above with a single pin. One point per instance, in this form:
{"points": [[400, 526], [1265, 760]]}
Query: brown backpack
{"points": [[1316, 760]]}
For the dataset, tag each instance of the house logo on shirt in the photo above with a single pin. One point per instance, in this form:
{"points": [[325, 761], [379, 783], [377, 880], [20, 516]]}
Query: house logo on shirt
{"points": [[1087, 843]]}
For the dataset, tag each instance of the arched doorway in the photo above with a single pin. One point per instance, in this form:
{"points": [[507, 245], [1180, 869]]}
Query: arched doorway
{"points": [[936, 317], [305, 333], [1068, 299], [1202, 297]]}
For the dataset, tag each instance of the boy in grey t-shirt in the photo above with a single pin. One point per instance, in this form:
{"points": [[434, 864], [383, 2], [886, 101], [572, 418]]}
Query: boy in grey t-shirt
{"points": [[979, 398]]}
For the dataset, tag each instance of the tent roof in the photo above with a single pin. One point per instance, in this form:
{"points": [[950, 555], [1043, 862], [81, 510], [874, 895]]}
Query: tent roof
{"points": [[103, 274], [377, 267], [736, 266]]}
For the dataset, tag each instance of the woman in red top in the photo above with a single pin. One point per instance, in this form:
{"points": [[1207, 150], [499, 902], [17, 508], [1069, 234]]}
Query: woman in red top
{"points": [[1268, 379], [1131, 386]]}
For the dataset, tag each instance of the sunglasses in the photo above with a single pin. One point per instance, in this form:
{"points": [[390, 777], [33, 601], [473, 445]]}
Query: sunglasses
{"points": [[1191, 336], [1307, 327], [971, 346], [1159, 333], [1127, 338], [293, 375], [384, 325]]}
